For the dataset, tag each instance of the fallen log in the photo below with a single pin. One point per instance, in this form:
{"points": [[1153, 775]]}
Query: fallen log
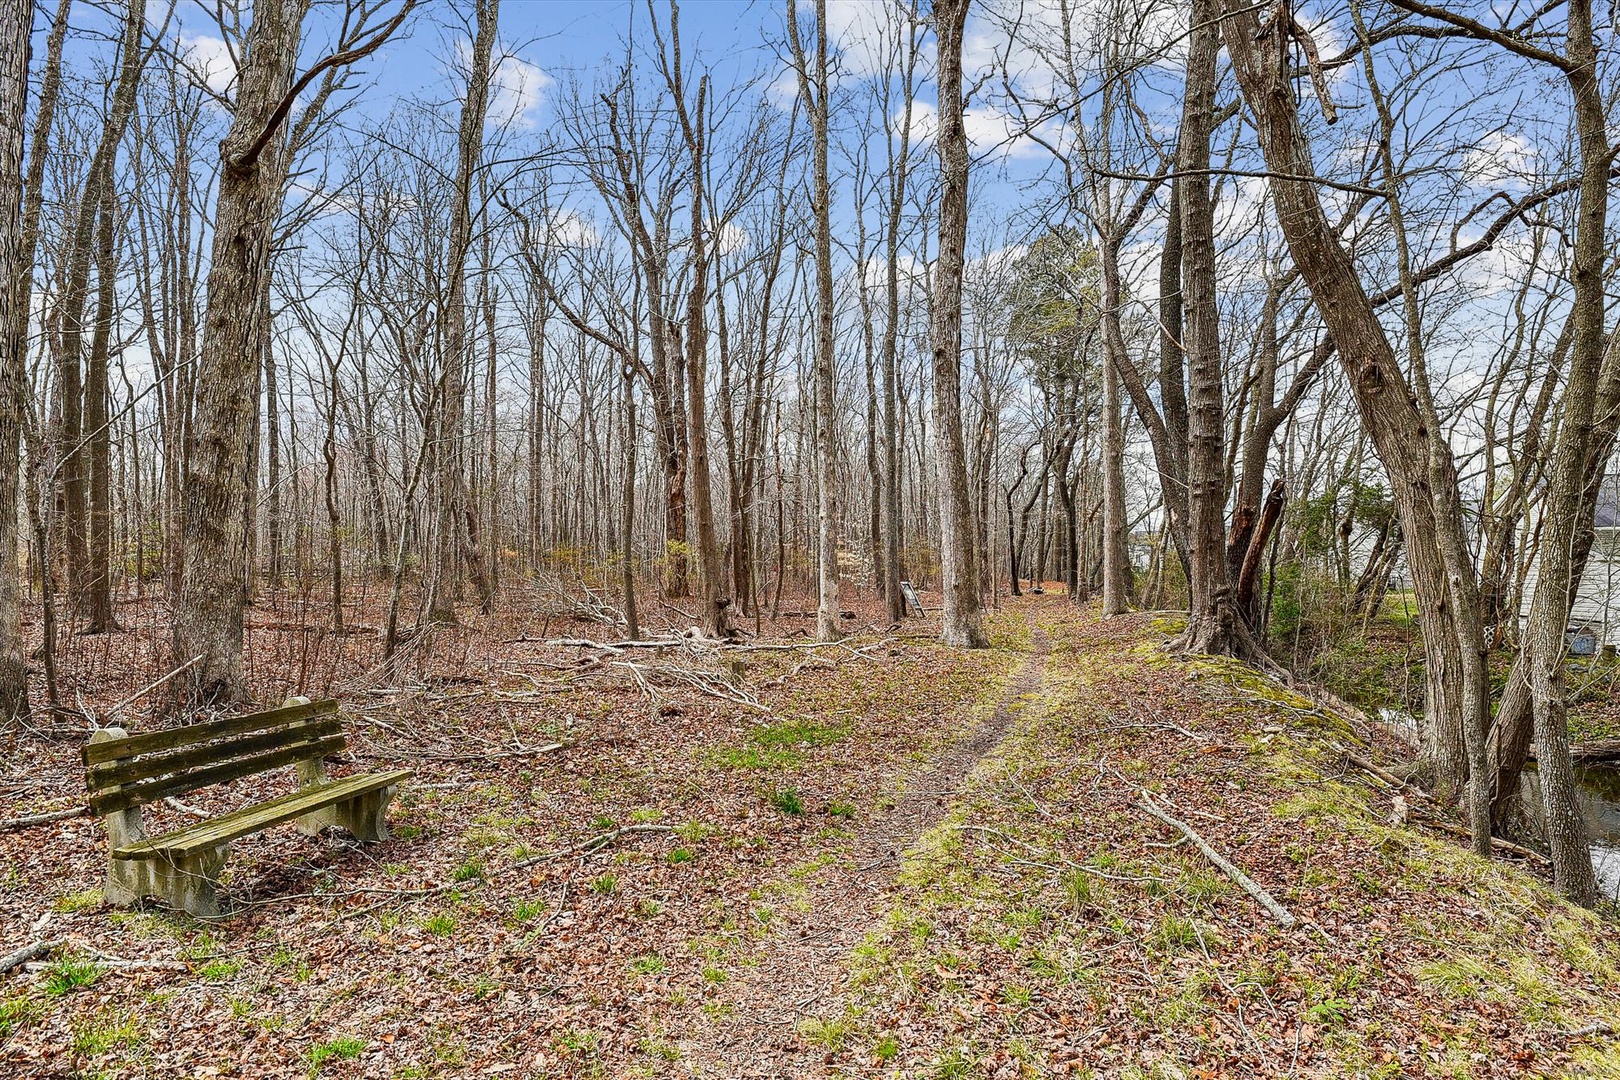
{"points": [[1591, 751]]}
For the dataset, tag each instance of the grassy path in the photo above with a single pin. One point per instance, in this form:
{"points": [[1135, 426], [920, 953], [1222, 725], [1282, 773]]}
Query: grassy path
{"points": [[775, 1005]]}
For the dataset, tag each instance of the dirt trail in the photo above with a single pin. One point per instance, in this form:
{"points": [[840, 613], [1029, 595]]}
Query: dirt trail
{"points": [[802, 969]]}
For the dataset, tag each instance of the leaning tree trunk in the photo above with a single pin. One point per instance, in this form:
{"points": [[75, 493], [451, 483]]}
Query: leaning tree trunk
{"points": [[16, 20], [1385, 399], [1566, 489], [209, 607]]}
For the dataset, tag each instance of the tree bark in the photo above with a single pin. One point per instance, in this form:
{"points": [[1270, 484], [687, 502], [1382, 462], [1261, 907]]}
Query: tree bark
{"points": [[962, 619], [1386, 401], [1562, 513], [813, 89], [452, 542], [1213, 626], [209, 607], [97, 585], [16, 257]]}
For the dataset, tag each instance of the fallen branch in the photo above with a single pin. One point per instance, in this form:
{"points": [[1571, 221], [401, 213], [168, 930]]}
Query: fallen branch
{"points": [[29, 952], [600, 840], [1497, 843], [147, 689], [122, 965], [614, 646], [43, 819], [1249, 885], [1383, 774]]}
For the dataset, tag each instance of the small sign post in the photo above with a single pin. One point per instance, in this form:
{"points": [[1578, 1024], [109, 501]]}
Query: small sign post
{"points": [[913, 601]]}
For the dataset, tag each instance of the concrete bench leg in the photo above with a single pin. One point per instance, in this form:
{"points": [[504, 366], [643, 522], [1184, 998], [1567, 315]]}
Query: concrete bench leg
{"points": [[366, 816], [189, 884]]}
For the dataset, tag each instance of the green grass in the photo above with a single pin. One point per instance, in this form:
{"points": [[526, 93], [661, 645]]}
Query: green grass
{"points": [[69, 974], [342, 1048], [650, 964], [787, 800], [17, 1013], [440, 925], [777, 746], [606, 885], [105, 1032]]}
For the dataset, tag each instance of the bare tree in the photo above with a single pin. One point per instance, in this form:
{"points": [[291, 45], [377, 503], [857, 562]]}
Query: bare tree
{"points": [[254, 160], [453, 549], [16, 21], [962, 618], [813, 89]]}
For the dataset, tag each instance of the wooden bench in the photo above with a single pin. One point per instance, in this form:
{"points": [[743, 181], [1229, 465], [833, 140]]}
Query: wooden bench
{"points": [[125, 772]]}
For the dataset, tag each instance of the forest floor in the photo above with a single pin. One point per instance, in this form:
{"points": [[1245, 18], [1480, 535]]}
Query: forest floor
{"points": [[879, 858]]}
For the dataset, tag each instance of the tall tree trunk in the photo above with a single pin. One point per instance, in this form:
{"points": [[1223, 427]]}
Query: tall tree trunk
{"points": [[711, 564], [97, 596], [273, 526], [1453, 719], [962, 620], [451, 555], [813, 89], [1213, 626], [16, 258], [209, 608], [1561, 516], [1116, 563], [627, 526]]}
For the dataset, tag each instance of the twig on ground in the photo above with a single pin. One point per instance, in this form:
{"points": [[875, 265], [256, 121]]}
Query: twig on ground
{"points": [[1248, 884], [590, 845], [43, 819], [29, 952]]}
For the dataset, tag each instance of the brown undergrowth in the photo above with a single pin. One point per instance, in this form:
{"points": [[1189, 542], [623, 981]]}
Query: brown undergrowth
{"points": [[890, 860]]}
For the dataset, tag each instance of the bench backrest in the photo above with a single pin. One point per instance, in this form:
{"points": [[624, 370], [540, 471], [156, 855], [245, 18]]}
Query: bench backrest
{"points": [[125, 772]]}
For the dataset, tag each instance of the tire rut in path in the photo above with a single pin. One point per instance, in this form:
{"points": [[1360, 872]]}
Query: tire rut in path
{"points": [[802, 970]]}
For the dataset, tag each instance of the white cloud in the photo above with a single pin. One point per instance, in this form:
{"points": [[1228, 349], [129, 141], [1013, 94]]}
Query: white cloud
{"points": [[208, 61], [863, 31], [924, 122], [783, 91], [988, 130], [568, 228], [515, 89], [912, 272], [1500, 159], [733, 239]]}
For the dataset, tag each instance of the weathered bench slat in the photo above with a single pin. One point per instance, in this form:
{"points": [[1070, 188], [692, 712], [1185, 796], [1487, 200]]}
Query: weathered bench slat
{"points": [[127, 770], [148, 791], [209, 834], [134, 745]]}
